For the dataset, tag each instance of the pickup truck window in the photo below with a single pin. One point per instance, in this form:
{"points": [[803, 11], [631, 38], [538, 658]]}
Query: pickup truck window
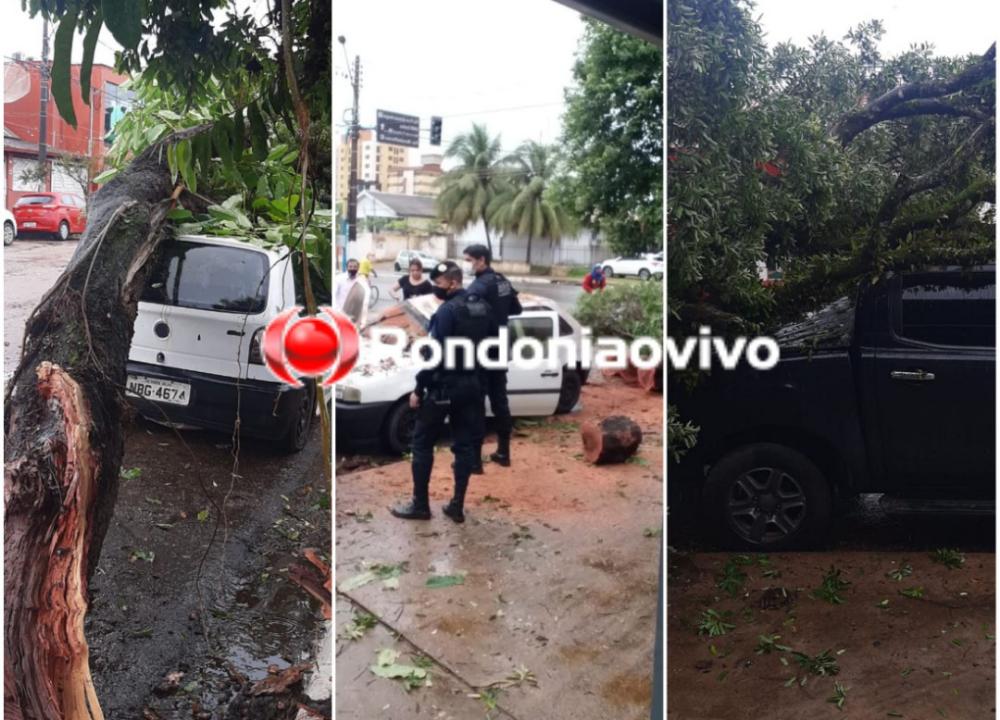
{"points": [[957, 311]]}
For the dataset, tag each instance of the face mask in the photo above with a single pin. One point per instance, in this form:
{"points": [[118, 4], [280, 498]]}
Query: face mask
{"points": [[440, 293], [352, 273], [467, 268]]}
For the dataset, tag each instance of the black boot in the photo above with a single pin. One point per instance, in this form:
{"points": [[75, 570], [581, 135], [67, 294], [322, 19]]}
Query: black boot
{"points": [[477, 469], [502, 455], [455, 508], [412, 510]]}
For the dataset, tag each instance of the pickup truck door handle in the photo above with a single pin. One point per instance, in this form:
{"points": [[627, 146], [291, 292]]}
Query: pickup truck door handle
{"points": [[912, 375], [550, 373]]}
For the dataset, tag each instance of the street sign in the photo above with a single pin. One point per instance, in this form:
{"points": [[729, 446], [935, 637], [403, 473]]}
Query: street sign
{"points": [[398, 129]]}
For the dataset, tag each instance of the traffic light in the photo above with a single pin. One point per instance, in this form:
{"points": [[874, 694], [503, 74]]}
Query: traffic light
{"points": [[435, 131]]}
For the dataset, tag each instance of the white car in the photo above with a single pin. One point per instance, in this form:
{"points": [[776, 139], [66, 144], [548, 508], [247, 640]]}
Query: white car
{"points": [[196, 357], [404, 257], [644, 266], [9, 227], [372, 401]]}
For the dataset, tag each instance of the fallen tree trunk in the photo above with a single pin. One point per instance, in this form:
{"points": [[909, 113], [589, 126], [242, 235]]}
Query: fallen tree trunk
{"points": [[613, 440], [64, 443]]}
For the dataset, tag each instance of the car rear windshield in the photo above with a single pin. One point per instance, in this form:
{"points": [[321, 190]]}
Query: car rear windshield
{"points": [[208, 277], [34, 200]]}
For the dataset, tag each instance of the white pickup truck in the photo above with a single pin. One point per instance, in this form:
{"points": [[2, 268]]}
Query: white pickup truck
{"points": [[372, 403]]}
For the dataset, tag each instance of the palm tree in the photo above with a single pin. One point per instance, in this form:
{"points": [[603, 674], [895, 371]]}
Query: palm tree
{"points": [[468, 189], [524, 206]]}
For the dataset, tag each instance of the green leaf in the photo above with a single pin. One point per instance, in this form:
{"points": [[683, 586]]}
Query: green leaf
{"points": [[277, 151], [62, 54], [238, 135], [103, 177], [87, 63], [203, 515], [185, 164], [443, 581], [222, 139], [124, 20], [172, 161], [153, 134], [358, 580], [180, 214], [169, 115], [258, 132]]}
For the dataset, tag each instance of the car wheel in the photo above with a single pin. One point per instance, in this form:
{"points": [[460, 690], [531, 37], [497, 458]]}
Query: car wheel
{"points": [[397, 268], [298, 434], [658, 276], [569, 393], [609, 271], [767, 497], [8, 233], [64, 230], [644, 274], [399, 427]]}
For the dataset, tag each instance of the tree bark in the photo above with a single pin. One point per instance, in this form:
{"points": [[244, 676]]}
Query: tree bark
{"points": [[64, 442], [613, 440], [891, 104]]}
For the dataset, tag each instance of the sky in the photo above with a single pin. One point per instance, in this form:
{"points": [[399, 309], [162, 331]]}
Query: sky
{"points": [[955, 27], [504, 64]]}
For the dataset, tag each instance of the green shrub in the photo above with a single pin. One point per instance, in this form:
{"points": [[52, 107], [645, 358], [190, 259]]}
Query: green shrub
{"points": [[625, 311]]}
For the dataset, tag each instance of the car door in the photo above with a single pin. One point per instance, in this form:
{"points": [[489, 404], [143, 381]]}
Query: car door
{"points": [[533, 391], [935, 384], [68, 210]]}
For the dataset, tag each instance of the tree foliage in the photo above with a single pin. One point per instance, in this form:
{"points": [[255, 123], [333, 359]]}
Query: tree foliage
{"points": [[613, 139], [468, 188], [831, 161]]}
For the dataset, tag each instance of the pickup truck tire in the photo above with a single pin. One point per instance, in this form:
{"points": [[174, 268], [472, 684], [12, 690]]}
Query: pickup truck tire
{"points": [[298, 433], [569, 393], [399, 424], [767, 497]]}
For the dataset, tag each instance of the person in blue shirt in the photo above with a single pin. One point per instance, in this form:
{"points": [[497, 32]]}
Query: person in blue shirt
{"points": [[445, 393], [496, 290]]}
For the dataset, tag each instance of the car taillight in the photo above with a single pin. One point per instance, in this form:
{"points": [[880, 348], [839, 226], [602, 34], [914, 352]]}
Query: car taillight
{"points": [[256, 358]]}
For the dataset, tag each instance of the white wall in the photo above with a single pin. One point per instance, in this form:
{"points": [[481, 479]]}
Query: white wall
{"points": [[582, 248]]}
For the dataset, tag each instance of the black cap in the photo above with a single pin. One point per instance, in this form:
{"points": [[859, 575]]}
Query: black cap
{"points": [[446, 268]]}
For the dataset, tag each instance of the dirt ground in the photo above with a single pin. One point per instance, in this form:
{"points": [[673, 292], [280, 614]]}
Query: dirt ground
{"points": [[152, 595], [920, 658], [560, 563]]}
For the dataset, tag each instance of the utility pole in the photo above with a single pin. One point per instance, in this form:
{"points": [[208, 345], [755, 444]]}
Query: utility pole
{"points": [[44, 111], [352, 190]]}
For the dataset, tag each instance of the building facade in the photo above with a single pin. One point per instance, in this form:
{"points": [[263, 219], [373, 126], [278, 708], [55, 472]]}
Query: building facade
{"points": [[419, 179], [87, 143], [377, 162]]}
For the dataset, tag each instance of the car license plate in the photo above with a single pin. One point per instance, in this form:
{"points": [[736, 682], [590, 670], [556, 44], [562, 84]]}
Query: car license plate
{"points": [[165, 391], [30, 224]]}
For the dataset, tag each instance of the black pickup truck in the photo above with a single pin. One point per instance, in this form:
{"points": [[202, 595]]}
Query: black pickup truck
{"points": [[891, 391]]}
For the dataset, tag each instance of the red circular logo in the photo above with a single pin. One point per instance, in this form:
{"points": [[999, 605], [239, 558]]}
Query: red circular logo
{"points": [[310, 346]]}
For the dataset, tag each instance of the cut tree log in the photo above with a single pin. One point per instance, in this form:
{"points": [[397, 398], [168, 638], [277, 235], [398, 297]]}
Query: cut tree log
{"points": [[614, 440], [64, 442], [650, 379]]}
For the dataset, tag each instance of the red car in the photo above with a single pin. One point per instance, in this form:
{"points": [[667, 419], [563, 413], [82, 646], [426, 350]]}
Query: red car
{"points": [[58, 214]]}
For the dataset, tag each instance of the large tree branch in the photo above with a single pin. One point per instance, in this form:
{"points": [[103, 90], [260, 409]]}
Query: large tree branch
{"points": [[949, 213], [906, 187], [886, 107]]}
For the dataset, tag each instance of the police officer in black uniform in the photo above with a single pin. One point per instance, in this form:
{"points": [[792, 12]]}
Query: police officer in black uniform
{"points": [[453, 393], [502, 298]]}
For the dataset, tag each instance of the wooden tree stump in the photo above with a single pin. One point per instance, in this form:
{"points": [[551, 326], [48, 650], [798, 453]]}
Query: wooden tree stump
{"points": [[613, 440], [650, 379], [629, 374]]}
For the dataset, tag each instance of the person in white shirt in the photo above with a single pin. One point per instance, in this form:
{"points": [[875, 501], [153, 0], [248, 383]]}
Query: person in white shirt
{"points": [[352, 294]]}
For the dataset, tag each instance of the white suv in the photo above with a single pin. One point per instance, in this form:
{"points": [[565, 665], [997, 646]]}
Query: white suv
{"points": [[649, 265], [195, 355], [372, 405], [404, 257]]}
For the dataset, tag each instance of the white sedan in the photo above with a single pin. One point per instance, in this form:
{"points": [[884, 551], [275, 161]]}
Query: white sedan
{"points": [[9, 227], [405, 256], [372, 401], [644, 266]]}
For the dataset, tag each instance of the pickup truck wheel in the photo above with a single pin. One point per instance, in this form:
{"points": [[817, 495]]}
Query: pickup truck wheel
{"points": [[569, 393], [399, 427], [767, 497], [298, 433]]}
